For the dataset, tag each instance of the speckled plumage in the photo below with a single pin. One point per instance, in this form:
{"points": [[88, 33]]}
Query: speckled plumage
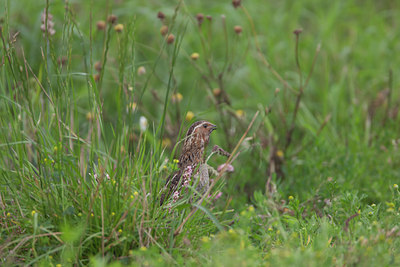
{"points": [[195, 142]]}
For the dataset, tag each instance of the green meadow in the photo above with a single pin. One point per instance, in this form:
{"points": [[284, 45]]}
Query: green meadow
{"points": [[96, 98]]}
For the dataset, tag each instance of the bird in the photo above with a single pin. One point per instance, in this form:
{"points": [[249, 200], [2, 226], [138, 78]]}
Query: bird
{"points": [[191, 157]]}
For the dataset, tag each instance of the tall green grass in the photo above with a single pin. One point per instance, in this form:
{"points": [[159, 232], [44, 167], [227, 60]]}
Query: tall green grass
{"points": [[315, 177]]}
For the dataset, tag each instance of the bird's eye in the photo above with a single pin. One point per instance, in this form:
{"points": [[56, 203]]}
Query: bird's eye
{"points": [[205, 125]]}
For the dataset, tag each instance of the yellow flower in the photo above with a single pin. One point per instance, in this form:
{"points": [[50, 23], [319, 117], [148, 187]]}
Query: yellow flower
{"points": [[143, 248], [91, 214], [390, 204], [176, 161], [279, 153], [79, 214], [395, 186], [243, 213], [251, 208], [8, 214], [270, 229], [177, 97], [112, 213], [231, 231], [119, 27], [239, 113], [58, 265], [189, 115], [166, 142], [291, 198], [55, 148], [195, 56], [373, 205], [135, 193], [33, 212], [50, 257], [131, 196], [131, 106], [89, 116], [120, 231], [370, 213], [242, 244], [205, 239]]}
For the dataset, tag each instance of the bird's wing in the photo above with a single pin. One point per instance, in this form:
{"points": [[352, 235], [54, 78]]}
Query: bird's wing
{"points": [[171, 185]]}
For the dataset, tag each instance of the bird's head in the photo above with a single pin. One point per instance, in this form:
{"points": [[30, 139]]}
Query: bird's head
{"points": [[200, 132]]}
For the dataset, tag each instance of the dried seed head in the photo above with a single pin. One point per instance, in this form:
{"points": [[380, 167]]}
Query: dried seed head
{"points": [[161, 15], [170, 38], [97, 66], [101, 25], [200, 18], [209, 17], [96, 77], [112, 18], [298, 31], [195, 56], [236, 3], [164, 30], [238, 29], [119, 27]]}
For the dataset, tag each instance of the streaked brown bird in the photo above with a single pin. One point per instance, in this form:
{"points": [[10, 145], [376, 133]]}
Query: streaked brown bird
{"points": [[195, 143]]}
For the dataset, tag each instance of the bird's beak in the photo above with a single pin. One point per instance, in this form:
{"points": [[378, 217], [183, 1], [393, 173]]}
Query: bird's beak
{"points": [[213, 127]]}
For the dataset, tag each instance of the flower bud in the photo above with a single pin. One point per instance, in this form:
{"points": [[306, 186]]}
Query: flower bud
{"points": [[189, 115], [112, 19], [236, 3], [170, 38], [119, 27], [164, 30], [97, 66], [217, 92], [200, 18], [161, 15], [238, 29], [141, 71], [101, 25], [195, 56]]}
